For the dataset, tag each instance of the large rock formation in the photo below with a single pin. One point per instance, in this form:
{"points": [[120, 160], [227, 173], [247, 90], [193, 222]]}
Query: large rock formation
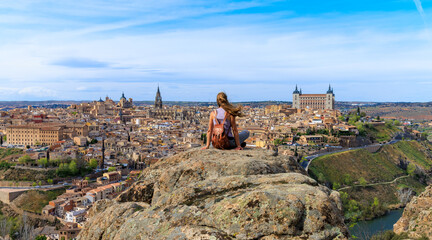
{"points": [[213, 194], [417, 216]]}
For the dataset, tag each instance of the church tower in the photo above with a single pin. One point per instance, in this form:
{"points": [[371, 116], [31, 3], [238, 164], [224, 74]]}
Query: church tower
{"points": [[158, 100], [330, 99], [296, 98]]}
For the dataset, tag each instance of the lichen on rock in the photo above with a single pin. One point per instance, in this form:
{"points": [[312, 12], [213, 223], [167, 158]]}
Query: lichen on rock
{"points": [[216, 194]]}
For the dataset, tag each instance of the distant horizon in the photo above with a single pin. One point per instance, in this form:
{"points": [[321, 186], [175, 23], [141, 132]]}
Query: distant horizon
{"points": [[373, 51], [184, 101]]}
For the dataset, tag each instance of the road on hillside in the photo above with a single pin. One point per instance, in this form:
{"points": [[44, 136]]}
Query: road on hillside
{"points": [[306, 164], [37, 187]]}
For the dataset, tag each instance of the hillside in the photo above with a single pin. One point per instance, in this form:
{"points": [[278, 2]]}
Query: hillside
{"points": [[7, 152], [215, 194], [35, 200], [360, 167], [32, 175], [381, 133]]}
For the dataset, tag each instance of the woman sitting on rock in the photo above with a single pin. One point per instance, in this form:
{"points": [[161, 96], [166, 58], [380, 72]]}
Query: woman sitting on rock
{"points": [[222, 132]]}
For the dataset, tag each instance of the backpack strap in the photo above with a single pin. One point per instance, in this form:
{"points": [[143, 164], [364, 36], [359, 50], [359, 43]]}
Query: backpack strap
{"points": [[215, 117], [226, 115]]}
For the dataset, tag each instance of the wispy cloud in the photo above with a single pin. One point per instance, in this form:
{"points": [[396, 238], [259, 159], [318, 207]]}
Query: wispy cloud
{"points": [[420, 9], [80, 63]]}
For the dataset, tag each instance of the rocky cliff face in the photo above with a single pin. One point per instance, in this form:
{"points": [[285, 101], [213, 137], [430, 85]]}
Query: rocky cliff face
{"points": [[417, 216], [215, 194]]}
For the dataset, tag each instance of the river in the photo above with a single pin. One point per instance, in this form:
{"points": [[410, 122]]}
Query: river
{"points": [[364, 230]]}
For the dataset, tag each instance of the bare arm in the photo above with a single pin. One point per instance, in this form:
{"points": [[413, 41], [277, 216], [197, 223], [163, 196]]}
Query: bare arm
{"points": [[209, 131], [235, 132]]}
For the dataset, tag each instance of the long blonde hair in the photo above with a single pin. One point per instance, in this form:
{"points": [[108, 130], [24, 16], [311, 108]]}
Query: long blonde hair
{"points": [[222, 101]]}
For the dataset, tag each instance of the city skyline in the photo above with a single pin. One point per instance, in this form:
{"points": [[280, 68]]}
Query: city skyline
{"points": [[254, 51]]}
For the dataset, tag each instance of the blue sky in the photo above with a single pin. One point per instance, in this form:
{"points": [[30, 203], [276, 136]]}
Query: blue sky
{"points": [[368, 50]]}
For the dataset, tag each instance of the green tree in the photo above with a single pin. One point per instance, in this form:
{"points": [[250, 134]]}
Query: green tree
{"points": [[112, 169], [336, 186], [73, 169], [362, 181], [63, 170], [277, 142], [34, 184], [54, 162], [40, 183], [43, 162], [321, 177], [41, 237], [93, 163], [353, 206], [5, 165], [24, 159], [411, 169], [375, 202], [87, 178], [50, 181], [347, 179], [344, 197]]}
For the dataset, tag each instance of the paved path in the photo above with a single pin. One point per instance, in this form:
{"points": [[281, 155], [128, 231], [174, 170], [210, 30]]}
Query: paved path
{"points": [[37, 187], [40, 169], [374, 184]]}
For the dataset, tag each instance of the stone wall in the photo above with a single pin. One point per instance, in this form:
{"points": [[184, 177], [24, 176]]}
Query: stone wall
{"points": [[8, 195]]}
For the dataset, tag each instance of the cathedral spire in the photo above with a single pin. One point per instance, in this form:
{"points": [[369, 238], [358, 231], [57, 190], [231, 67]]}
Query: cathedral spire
{"points": [[158, 99]]}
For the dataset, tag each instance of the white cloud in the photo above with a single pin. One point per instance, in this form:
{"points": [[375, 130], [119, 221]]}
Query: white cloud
{"points": [[265, 60]]}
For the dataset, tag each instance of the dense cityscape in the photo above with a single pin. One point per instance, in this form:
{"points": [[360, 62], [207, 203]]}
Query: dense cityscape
{"points": [[93, 151], [215, 120]]}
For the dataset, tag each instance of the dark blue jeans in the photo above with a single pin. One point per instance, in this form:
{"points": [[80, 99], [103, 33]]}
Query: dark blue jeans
{"points": [[243, 135]]}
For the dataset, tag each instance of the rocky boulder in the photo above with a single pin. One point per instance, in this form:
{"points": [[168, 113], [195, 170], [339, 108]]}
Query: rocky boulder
{"points": [[213, 194], [416, 219]]}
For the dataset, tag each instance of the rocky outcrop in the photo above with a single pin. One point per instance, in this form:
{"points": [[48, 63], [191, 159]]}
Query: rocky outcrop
{"points": [[416, 219], [215, 194]]}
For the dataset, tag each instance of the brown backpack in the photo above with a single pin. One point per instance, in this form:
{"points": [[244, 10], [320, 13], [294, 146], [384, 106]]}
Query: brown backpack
{"points": [[219, 137]]}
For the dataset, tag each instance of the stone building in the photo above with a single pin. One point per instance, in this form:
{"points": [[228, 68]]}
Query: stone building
{"points": [[69, 231], [43, 134], [313, 101], [125, 103], [167, 113]]}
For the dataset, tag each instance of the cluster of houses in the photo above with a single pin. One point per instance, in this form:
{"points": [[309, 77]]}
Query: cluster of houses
{"points": [[72, 206]]}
